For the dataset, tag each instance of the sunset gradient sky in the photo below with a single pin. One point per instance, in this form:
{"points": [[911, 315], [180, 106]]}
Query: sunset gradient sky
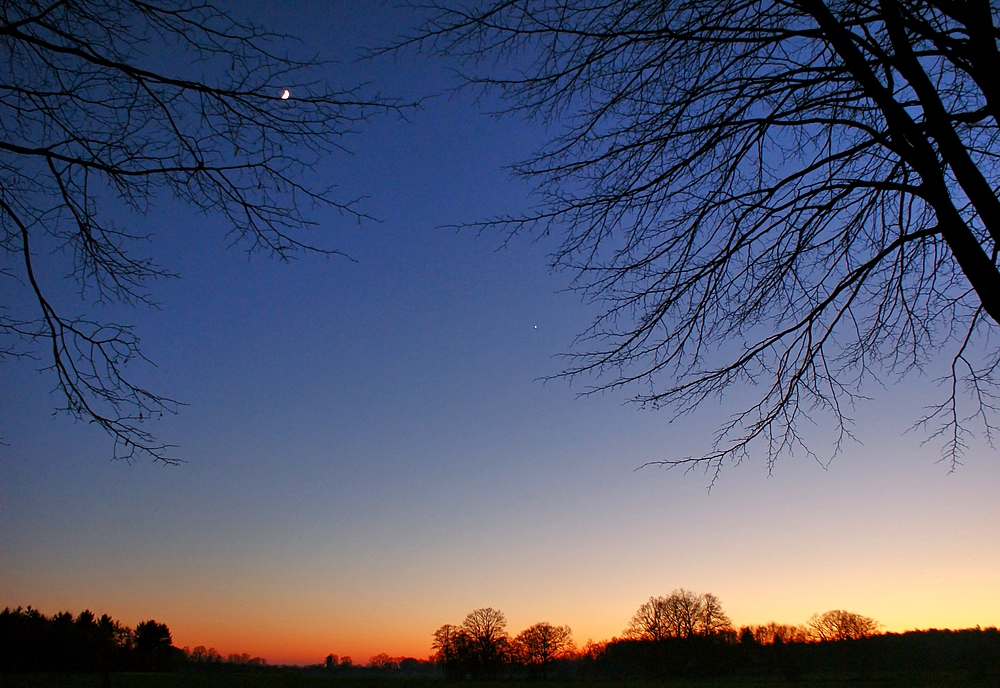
{"points": [[370, 453]]}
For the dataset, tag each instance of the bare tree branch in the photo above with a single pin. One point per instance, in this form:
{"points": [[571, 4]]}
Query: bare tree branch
{"points": [[130, 100], [794, 196]]}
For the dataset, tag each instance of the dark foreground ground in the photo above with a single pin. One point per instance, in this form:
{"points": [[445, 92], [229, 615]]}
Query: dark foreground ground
{"points": [[296, 680]]}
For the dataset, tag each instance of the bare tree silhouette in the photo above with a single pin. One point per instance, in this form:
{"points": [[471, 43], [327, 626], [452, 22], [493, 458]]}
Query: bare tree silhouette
{"points": [[798, 196], [109, 102], [451, 650], [542, 644], [488, 641], [840, 625], [681, 614]]}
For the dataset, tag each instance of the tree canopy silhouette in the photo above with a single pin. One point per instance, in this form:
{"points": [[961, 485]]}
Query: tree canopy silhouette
{"points": [[681, 614], [481, 647], [541, 644], [108, 103], [487, 641], [793, 195], [838, 624]]}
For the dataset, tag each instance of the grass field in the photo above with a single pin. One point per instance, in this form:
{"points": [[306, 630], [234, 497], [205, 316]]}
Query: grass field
{"points": [[296, 680]]}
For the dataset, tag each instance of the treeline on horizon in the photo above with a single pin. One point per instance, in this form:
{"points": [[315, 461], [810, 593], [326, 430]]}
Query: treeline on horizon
{"points": [[686, 634], [683, 634], [31, 641]]}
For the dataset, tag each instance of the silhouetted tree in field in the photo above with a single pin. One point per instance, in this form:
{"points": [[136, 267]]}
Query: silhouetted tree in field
{"points": [[798, 196], [487, 642], [382, 661], [112, 104], [99, 643], [204, 655], [481, 648], [451, 650], [154, 646], [541, 644], [682, 614], [840, 625]]}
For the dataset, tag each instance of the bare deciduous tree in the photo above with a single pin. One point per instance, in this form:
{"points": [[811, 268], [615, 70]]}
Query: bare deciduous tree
{"points": [[712, 619], [479, 647], [544, 643], [384, 662], [682, 614], [451, 650], [840, 625], [486, 630], [650, 621], [798, 196], [112, 103]]}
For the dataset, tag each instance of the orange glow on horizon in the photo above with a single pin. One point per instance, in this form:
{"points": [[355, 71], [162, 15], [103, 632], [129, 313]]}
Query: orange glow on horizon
{"points": [[286, 646], [308, 640]]}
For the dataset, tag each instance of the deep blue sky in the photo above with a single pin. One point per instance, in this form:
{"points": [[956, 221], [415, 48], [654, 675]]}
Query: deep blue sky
{"points": [[370, 453]]}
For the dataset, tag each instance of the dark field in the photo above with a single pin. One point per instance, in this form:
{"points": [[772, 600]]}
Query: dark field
{"points": [[296, 680]]}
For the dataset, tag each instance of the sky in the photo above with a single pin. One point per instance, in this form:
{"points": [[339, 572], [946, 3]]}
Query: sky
{"points": [[370, 451]]}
